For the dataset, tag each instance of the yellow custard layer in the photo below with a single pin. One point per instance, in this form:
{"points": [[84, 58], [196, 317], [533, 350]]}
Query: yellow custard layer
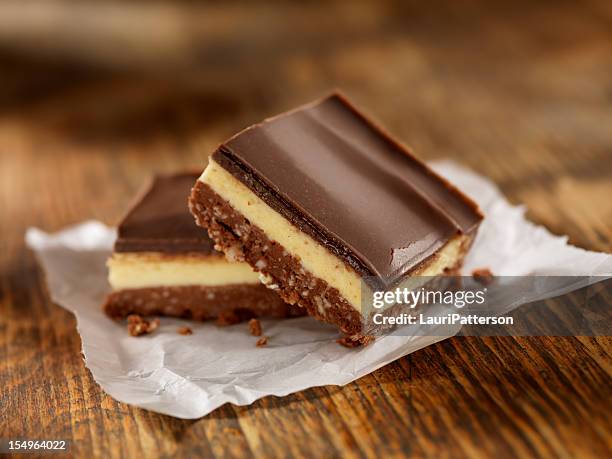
{"points": [[152, 269]]}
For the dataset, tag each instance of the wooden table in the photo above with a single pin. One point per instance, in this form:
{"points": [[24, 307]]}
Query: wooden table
{"points": [[521, 93]]}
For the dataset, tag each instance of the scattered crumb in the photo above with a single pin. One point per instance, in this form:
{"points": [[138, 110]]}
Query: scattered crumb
{"points": [[227, 318], [347, 342], [138, 326], [255, 327], [368, 339], [184, 331], [483, 276], [263, 341], [355, 341]]}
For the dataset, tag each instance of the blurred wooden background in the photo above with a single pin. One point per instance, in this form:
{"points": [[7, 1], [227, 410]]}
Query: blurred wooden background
{"points": [[95, 96]]}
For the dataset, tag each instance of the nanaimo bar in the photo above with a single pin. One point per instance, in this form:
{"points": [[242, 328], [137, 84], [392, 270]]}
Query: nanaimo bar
{"points": [[320, 200], [164, 264]]}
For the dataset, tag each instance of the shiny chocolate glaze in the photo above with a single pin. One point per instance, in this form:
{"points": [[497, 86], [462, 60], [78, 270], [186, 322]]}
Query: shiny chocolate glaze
{"points": [[159, 221], [344, 181]]}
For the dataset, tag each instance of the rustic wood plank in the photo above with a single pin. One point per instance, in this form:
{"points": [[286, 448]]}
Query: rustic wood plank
{"points": [[520, 92]]}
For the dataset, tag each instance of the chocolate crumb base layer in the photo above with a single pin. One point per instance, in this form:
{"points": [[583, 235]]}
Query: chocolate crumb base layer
{"points": [[241, 240], [281, 272], [227, 304]]}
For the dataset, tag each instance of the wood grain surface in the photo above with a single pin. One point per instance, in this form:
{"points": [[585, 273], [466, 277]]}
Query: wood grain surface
{"points": [[519, 91]]}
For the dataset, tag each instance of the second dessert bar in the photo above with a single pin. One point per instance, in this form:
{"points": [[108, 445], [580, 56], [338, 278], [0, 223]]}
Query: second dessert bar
{"points": [[163, 264]]}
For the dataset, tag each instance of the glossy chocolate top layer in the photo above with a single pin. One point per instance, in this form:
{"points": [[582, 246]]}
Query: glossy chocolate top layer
{"points": [[341, 179], [160, 220]]}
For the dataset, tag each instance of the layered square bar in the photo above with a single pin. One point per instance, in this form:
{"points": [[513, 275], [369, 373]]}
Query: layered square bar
{"points": [[164, 264], [320, 199]]}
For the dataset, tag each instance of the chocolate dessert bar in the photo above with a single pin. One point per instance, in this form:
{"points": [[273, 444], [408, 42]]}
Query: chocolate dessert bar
{"points": [[163, 264], [320, 199]]}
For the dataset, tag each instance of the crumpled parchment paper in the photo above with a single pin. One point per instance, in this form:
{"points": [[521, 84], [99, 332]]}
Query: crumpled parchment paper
{"points": [[190, 376]]}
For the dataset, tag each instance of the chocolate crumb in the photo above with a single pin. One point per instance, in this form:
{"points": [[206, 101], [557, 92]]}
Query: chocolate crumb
{"points": [[184, 331], [483, 276], [263, 341], [355, 341], [347, 342], [138, 326], [255, 327], [366, 340]]}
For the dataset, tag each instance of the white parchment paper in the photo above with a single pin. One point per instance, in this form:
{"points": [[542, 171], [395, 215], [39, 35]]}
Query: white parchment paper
{"points": [[190, 376]]}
